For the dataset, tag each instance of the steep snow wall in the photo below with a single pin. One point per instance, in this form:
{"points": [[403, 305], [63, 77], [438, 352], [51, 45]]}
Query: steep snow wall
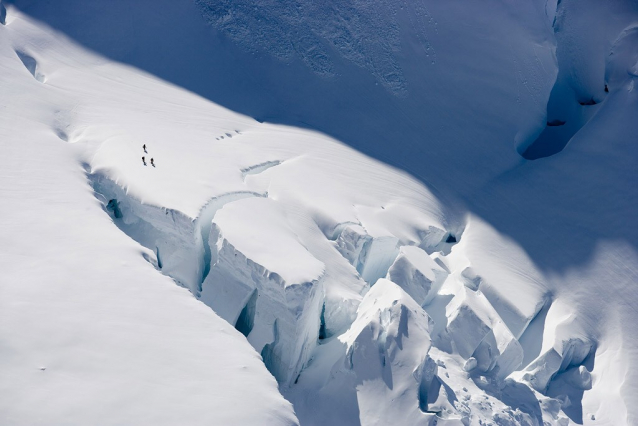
{"points": [[261, 272], [242, 258], [171, 235], [180, 243]]}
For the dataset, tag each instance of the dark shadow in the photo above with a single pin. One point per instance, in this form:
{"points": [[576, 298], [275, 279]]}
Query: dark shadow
{"points": [[568, 387], [571, 398], [520, 396], [114, 207], [323, 334], [428, 395], [550, 142], [246, 319], [532, 338], [588, 102], [437, 311], [451, 396], [270, 357], [430, 105], [159, 259]]}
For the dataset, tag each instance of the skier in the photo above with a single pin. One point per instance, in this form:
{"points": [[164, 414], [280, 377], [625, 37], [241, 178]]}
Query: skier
{"points": [[152, 163], [144, 147], [143, 160]]}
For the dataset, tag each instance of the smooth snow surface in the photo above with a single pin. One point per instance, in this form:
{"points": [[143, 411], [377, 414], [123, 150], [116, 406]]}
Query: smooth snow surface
{"points": [[357, 213]]}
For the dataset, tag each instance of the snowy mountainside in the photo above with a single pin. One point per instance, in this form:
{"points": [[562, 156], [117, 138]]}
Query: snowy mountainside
{"points": [[266, 273], [87, 326]]}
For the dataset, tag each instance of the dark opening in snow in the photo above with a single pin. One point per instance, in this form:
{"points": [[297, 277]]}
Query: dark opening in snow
{"points": [[551, 141], [590, 101], [269, 355], [450, 239], [246, 319], [159, 259], [114, 207], [322, 327], [428, 395], [555, 123]]}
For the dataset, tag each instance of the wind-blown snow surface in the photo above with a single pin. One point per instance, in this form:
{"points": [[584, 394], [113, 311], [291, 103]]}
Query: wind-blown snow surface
{"points": [[490, 290]]}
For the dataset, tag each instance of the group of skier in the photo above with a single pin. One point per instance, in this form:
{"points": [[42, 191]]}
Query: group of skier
{"points": [[144, 158]]}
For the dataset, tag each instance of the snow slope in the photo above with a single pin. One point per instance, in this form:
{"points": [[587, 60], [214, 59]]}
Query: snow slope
{"points": [[91, 333], [410, 264]]}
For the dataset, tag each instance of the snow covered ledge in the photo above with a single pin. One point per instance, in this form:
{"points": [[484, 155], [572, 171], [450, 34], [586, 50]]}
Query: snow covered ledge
{"points": [[263, 280]]}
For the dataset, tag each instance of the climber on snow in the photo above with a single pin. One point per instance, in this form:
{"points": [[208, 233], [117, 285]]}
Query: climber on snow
{"points": [[143, 160], [152, 163]]}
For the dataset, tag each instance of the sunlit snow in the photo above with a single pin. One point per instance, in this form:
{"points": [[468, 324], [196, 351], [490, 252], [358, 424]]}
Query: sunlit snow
{"points": [[318, 213]]}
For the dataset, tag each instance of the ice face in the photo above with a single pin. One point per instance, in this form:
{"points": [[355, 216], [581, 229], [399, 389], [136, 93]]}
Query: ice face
{"points": [[417, 274], [272, 285]]}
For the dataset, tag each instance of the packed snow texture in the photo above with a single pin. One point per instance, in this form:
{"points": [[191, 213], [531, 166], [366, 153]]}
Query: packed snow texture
{"points": [[427, 221]]}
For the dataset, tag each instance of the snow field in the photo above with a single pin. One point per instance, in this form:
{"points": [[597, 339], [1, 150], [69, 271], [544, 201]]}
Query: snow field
{"points": [[369, 299]]}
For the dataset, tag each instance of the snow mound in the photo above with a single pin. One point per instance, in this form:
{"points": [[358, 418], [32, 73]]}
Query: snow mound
{"points": [[258, 229]]}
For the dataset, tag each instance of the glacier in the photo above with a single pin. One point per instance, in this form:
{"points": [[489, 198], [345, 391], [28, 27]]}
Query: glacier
{"points": [[359, 213]]}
